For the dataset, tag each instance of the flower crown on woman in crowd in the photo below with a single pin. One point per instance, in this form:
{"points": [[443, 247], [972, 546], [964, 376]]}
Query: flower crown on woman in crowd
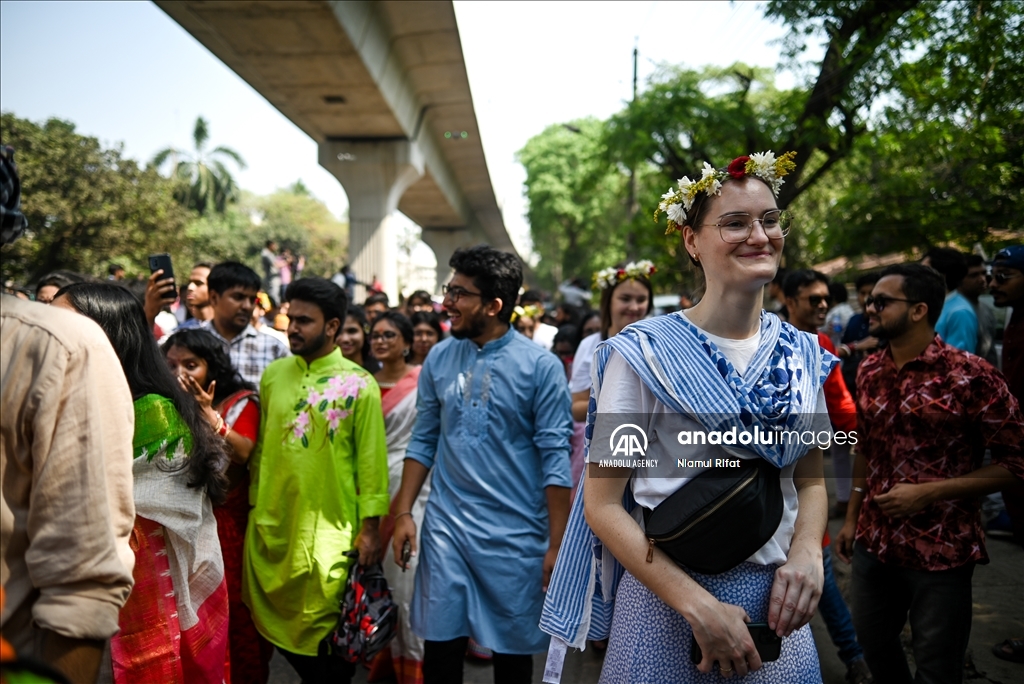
{"points": [[764, 165], [610, 277], [528, 311]]}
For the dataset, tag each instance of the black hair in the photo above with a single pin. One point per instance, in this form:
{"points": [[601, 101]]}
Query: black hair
{"points": [[431, 319], [837, 291], [531, 297], [203, 344], [328, 297], [780, 276], [574, 313], [420, 296], [269, 242], [114, 268], [605, 307], [369, 362], [377, 298], [229, 274], [58, 279], [802, 278], [399, 320], [950, 263], [122, 318], [922, 284], [137, 288], [567, 333], [973, 261], [867, 279], [498, 275]]}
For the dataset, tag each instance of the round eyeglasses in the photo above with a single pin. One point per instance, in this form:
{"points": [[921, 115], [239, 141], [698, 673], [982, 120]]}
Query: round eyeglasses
{"points": [[736, 228], [456, 293]]}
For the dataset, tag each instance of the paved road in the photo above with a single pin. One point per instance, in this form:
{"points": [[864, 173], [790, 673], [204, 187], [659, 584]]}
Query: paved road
{"points": [[998, 614]]}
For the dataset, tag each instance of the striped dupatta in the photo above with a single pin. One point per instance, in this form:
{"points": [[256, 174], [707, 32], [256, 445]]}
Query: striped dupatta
{"points": [[685, 371]]}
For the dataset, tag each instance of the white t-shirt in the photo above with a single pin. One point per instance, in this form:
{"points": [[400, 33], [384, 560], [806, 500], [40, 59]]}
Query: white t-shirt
{"points": [[544, 335], [582, 362], [622, 391]]}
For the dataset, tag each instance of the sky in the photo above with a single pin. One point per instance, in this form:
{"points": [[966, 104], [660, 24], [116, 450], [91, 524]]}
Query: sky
{"points": [[126, 73]]}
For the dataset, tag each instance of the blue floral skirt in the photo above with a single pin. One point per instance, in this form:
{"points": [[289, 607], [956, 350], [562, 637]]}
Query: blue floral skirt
{"points": [[650, 642]]}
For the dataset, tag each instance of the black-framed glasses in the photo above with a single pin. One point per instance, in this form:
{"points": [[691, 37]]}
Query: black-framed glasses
{"points": [[1002, 277], [882, 301], [736, 228], [385, 335], [456, 293]]}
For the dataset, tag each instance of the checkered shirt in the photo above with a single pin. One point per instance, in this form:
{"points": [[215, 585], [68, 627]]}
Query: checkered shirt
{"points": [[251, 351]]}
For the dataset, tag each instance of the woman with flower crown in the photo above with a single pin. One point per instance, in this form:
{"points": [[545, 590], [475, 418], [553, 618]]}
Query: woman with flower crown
{"points": [[626, 297], [724, 364]]}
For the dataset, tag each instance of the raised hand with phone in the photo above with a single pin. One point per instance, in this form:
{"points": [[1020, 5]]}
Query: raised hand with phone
{"points": [[160, 288]]}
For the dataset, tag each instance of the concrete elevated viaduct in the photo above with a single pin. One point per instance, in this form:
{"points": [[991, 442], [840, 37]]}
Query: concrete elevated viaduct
{"points": [[382, 88]]}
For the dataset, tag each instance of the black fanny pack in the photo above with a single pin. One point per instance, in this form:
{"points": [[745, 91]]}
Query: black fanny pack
{"points": [[718, 519]]}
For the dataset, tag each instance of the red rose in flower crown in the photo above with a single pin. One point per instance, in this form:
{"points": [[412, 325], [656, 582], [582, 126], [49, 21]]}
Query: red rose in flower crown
{"points": [[738, 168]]}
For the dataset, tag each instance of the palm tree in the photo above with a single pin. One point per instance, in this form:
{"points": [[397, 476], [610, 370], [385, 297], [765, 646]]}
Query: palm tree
{"points": [[206, 182]]}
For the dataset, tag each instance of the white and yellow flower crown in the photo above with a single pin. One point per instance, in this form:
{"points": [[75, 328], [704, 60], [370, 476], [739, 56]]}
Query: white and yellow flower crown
{"points": [[764, 165], [528, 311], [610, 277]]}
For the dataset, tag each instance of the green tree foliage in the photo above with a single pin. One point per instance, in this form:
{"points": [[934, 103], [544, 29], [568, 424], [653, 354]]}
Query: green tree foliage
{"points": [[865, 41], [909, 133], [944, 160], [86, 205], [205, 183], [684, 117], [576, 201], [293, 218]]}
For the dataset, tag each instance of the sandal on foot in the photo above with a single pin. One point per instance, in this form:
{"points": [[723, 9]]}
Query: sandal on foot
{"points": [[1010, 649]]}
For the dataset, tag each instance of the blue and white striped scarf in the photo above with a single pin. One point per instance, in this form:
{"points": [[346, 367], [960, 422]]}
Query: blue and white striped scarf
{"points": [[689, 374]]}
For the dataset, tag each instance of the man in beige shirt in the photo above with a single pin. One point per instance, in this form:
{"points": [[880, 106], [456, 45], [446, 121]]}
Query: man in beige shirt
{"points": [[66, 507]]}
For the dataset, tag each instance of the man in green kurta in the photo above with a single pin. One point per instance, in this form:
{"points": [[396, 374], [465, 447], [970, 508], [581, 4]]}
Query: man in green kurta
{"points": [[319, 475]]}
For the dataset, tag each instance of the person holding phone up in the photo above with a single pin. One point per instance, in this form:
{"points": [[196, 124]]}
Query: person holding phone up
{"points": [[161, 289]]}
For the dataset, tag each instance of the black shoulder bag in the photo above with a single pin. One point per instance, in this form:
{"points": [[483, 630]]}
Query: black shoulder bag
{"points": [[718, 519]]}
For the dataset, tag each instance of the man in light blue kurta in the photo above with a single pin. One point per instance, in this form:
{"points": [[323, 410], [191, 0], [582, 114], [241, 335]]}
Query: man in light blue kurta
{"points": [[493, 425]]}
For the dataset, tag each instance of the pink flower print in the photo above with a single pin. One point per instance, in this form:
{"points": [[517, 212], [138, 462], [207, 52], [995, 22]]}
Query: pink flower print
{"points": [[314, 397], [335, 416], [340, 387], [300, 425], [333, 390]]}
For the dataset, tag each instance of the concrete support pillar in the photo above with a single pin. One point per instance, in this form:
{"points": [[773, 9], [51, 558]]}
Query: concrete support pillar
{"points": [[444, 242], [374, 174]]}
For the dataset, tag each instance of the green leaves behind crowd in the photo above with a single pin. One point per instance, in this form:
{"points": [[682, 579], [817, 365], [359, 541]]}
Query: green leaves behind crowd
{"points": [[88, 206], [909, 133]]}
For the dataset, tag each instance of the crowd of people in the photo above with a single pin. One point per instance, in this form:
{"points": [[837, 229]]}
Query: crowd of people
{"points": [[183, 519]]}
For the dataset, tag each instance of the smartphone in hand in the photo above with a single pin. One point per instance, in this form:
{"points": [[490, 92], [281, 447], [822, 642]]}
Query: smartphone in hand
{"points": [[766, 641], [163, 262]]}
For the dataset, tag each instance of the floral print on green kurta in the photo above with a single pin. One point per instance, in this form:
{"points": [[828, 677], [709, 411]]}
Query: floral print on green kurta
{"points": [[333, 402]]}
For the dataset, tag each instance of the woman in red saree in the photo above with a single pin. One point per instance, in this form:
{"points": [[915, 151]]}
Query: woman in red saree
{"points": [[391, 338], [231, 407], [174, 627]]}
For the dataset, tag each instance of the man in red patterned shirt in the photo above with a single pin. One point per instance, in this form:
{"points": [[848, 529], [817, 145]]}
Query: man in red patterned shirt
{"points": [[926, 413]]}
